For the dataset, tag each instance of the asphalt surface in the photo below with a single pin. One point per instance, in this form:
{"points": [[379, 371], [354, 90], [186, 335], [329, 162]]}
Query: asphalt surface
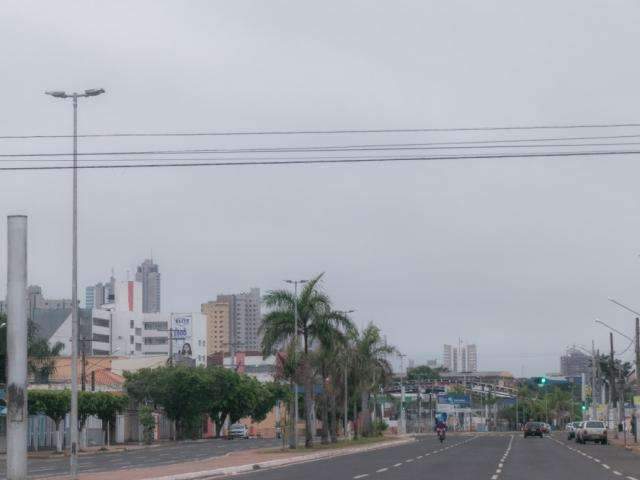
{"points": [[140, 458], [471, 457], [493, 456]]}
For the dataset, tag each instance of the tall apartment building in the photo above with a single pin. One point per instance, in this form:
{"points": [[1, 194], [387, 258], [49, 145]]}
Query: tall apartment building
{"points": [[447, 358], [244, 320], [37, 301], [463, 358], [472, 358], [149, 275], [218, 326], [574, 363], [100, 294]]}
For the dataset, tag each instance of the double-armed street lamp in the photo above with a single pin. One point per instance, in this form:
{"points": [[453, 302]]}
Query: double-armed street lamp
{"points": [[73, 424]]}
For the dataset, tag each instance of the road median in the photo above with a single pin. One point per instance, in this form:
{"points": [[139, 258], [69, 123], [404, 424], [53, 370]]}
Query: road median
{"points": [[243, 461]]}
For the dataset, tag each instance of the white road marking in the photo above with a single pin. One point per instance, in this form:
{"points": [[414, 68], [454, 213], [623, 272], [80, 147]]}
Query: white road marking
{"points": [[420, 456], [500, 465], [632, 478], [361, 476], [398, 464], [494, 477], [498, 471], [382, 470], [409, 460], [606, 466], [615, 472], [596, 460]]}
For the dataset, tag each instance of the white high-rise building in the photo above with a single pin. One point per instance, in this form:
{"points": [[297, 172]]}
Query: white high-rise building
{"points": [[463, 358]]}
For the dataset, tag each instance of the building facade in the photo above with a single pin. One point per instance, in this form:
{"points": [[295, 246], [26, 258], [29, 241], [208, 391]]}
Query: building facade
{"points": [[574, 363], [218, 326], [463, 358], [244, 320], [37, 301], [148, 274]]}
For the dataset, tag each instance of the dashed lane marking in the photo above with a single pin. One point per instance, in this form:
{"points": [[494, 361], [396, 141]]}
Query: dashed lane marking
{"points": [[606, 466], [616, 472], [361, 476], [382, 470], [398, 465]]}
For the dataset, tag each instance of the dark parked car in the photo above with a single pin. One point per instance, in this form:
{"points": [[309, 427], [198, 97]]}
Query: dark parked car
{"points": [[533, 429]]}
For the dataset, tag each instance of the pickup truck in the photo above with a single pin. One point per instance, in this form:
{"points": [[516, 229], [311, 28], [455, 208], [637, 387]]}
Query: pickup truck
{"points": [[592, 431]]}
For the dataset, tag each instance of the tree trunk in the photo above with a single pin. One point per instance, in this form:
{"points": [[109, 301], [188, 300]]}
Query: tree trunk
{"points": [[356, 424], [333, 417], [308, 405], [219, 422], [293, 421], [58, 437], [325, 418], [365, 414]]}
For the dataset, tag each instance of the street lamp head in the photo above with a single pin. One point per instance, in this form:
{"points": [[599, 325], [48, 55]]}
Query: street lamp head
{"points": [[93, 92], [3, 324], [57, 93]]}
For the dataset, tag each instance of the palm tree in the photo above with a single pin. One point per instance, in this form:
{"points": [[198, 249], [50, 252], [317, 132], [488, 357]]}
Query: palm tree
{"points": [[372, 370], [42, 363], [314, 317], [332, 339]]}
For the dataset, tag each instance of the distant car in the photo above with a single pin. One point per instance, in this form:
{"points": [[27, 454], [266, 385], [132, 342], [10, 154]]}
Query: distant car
{"points": [[592, 431], [238, 430], [533, 429], [571, 430]]}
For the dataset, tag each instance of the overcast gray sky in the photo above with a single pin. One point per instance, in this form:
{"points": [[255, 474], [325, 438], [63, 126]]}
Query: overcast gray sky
{"points": [[516, 255]]}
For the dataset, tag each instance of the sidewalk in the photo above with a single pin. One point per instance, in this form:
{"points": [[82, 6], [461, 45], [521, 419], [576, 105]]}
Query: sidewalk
{"points": [[237, 462], [619, 442]]}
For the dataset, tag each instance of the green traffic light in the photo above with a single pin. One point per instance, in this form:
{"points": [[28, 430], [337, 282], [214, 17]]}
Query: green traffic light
{"points": [[543, 380]]}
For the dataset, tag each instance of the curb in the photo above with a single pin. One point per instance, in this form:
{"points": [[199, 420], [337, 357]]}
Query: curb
{"points": [[280, 462]]}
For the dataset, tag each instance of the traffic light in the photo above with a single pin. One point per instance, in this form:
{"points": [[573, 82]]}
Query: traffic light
{"points": [[584, 406], [542, 381]]}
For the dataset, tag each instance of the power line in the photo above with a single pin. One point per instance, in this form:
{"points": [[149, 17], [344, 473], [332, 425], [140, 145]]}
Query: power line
{"points": [[334, 148], [332, 132], [214, 163]]}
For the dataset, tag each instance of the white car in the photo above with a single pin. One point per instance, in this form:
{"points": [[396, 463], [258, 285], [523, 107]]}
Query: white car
{"points": [[238, 430], [592, 431], [571, 430]]}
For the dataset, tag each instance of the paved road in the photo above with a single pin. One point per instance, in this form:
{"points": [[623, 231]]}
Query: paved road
{"points": [[148, 457], [470, 457]]}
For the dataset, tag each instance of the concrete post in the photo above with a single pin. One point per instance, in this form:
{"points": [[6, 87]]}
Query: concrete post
{"points": [[17, 415]]}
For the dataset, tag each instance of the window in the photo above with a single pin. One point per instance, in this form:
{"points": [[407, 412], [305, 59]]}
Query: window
{"points": [[138, 347], [100, 352], [130, 323], [138, 331], [156, 340], [131, 339], [101, 322], [97, 337], [155, 325]]}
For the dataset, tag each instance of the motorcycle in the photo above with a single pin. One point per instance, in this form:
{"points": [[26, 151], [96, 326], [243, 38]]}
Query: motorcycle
{"points": [[441, 434]]}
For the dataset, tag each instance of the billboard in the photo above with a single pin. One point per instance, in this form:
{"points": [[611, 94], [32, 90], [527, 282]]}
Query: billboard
{"points": [[182, 326], [455, 400]]}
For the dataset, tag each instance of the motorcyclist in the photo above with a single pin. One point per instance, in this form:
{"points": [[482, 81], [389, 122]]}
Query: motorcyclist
{"points": [[441, 429]]}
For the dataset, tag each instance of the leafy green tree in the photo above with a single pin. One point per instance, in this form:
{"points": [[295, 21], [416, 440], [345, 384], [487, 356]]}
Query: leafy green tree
{"points": [[278, 328], [222, 390], [181, 391], [54, 404], [148, 424], [106, 405]]}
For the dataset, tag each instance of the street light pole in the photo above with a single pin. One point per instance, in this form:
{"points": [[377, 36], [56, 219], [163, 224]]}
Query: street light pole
{"points": [[73, 424], [293, 441]]}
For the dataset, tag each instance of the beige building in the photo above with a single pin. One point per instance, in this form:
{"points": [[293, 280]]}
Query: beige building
{"points": [[218, 321]]}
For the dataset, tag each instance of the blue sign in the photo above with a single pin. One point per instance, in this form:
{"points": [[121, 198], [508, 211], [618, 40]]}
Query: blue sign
{"points": [[457, 400]]}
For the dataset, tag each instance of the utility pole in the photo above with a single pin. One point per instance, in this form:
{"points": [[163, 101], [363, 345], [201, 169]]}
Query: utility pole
{"points": [[17, 415], [635, 407], [612, 378], [73, 423], [594, 376], [403, 425]]}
